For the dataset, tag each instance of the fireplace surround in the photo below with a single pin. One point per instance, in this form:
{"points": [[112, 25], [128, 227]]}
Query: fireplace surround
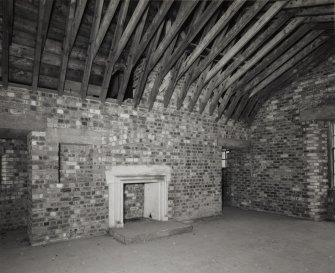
{"points": [[155, 178]]}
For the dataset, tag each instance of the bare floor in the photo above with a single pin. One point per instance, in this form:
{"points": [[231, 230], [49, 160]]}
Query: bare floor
{"points": [[239, 241]]}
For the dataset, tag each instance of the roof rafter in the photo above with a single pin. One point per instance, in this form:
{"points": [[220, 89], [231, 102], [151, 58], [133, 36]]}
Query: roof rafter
{"points": [[302, 54], [227, 82], [254, 29], [144, 75], [200, 21], [188, 77], [285, 57], [44, 14], [76, 12], [239, 60], [122, 42], [286, 66], [184, 11], [7, 19], [130, 60], [91, 50], [216, 29]]}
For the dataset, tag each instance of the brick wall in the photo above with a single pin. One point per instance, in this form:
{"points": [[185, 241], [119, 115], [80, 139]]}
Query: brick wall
{"points": [[122, 136], [288, 158], [133, 201], [13, 184]]}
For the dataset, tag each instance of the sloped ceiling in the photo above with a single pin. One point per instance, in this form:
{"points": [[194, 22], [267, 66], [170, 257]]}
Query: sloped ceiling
{"points": [[224, 56]]}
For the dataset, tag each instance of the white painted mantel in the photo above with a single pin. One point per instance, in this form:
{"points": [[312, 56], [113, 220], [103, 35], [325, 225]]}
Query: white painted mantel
{"points": [[156, 179]]}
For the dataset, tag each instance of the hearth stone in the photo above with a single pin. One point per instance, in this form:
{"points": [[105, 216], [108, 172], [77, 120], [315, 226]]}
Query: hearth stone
{"points": [[148, 230]]}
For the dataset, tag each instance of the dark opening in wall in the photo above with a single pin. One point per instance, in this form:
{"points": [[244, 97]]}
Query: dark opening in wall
{"points": [[133, 198]]}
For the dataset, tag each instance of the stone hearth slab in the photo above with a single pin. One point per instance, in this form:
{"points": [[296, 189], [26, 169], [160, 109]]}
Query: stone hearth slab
{"points": [[147, 230]]}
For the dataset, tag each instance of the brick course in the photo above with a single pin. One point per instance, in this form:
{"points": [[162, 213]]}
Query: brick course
{"points": [[286, 169], [13, 184], [125, 136]]}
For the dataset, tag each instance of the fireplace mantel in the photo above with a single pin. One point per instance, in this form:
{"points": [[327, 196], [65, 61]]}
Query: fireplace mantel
{"points": [[155, 178]]}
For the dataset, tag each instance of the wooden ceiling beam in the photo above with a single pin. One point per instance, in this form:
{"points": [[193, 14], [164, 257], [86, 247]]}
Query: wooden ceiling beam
{"points": [[230, 36], [241, 106], [299, 70], [159, 78], [113, 48], [130, 59], [185, 10], [321, 10], [321, 19], [7, 18], [144, 75], [307, 3], [43, 20], [211, 85], [173, 82], [90, 49], [76, 11], [252, 31], [152, 29], [98, 32], [284, 58], [200, 19], [259, 41], [103, 28], [188, 77], [216, 29], [273, 55], [226, 83], [121, 44], [246, 111], [301, 55]]}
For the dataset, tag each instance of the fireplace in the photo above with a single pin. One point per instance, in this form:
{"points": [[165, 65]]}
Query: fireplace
{"points": [[155, 179]]}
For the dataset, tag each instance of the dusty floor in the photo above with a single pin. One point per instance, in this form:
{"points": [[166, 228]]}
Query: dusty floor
{"points": [[239, 241]]}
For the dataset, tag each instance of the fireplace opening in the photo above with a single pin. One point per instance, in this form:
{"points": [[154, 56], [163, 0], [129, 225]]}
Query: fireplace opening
{"points": [[137, 192], [133, 202]]}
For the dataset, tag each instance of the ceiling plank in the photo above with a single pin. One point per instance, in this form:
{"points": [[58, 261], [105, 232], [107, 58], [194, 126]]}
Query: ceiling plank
{"points": [[144, 75], [254, 29], [295, 72], [130, 59], [230, 36], [246, 111], [226, 83], [302, 54], [172, 83], [121, 44], [109, 15], [198, 22], [72, 27], [152, 29], [216, 29], [185, 10], [6, 34], [159, 78], [90, 49], [241, 106], [283, 59], [273, 55], [308, 3], [188, 77], [112, 51], [43, 20], [259, 41]]}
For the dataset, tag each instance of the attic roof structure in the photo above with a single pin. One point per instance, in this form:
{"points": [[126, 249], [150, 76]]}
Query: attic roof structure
{"points": [[226, 56]]}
